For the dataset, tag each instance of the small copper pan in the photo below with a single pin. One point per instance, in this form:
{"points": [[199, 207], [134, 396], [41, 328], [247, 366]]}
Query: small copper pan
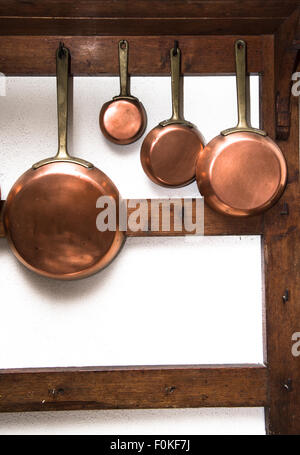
{"points": [[241, 172], [50, 213], [123, 120], [170, 151]]}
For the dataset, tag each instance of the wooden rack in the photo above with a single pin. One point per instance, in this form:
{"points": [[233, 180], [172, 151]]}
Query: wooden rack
{"points": [[206, 30]]}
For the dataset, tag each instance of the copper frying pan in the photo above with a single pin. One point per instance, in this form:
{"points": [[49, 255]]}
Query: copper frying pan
{"points": [[170, 151], [50, 213], [123, 120], [241, 172]]}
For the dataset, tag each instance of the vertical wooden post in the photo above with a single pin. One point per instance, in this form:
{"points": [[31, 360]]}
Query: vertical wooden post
{"points": [[282, 277]]}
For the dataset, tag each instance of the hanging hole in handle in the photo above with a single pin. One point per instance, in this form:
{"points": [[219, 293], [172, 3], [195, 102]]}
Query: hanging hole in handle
{"points": [[123, 44], [240, 44]]}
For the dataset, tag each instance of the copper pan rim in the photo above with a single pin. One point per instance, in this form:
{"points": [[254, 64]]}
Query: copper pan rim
{"points": [[142, 121], [219, 206], [118, 244], [231, 150], [164, 172], [33, 201]]}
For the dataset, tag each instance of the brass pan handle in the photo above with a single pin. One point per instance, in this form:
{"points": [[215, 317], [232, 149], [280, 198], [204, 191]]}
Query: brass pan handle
{"points": [[123, 47], [123, 65], [243, 123], [62, 75], [177, 118]]}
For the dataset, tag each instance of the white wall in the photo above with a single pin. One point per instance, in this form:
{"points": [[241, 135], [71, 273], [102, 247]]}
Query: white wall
{"points": [[213, 310]]}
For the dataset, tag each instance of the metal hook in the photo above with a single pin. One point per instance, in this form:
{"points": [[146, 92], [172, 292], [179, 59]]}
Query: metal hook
{"points": [[175, 49], [61, 50], [286, 296], [288, 385], [285, 209]]}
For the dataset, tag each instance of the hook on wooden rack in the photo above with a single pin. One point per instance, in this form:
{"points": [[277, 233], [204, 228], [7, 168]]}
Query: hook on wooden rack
{"points": [[175, 48]]}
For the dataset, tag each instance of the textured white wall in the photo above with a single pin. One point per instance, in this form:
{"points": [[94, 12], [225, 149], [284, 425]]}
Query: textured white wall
{"points": [[203, 304]]}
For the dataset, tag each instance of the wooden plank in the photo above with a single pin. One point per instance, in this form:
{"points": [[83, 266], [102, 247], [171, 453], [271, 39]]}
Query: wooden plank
{"points": [[140, 8], [214, 224], [98, 55], [267, 115], [286, 60], [91, 17], [137, 26], [282, 257], [217, 224], [296, 42], [282, 272], [132, 387]]}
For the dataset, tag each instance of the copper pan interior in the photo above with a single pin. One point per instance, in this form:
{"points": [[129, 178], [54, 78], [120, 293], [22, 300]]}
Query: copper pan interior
{"points": [[241, 174], [50, 220], [123, 120], [169, 154]]}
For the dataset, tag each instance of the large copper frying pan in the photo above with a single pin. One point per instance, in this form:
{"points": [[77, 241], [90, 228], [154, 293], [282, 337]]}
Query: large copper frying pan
{"points": [[241, 172], [169, 152], [50, 213]]}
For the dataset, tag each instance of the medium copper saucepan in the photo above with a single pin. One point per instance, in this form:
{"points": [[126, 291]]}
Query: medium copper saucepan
{"points": [[123, 120], [50, 213], [241, 172], [169, 152]]}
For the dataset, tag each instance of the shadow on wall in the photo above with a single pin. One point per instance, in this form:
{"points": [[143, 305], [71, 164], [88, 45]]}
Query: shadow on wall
{"points": [[58, 290], [151, 421]]}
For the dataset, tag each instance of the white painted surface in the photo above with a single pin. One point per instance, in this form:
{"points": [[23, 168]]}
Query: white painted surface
{"points": [[209, 305], [205, 421]]}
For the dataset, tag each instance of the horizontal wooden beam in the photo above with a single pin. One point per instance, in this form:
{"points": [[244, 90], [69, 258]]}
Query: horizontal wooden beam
{"points": [[132, 387], [140, 8], [214, 223], [98, 55], [137, 26], [137, 17], [286, 62]]}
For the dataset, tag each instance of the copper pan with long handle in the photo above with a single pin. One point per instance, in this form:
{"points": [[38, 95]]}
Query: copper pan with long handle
{"points": [[50, 213], [241, 172], [123, 119], [170, 150]]}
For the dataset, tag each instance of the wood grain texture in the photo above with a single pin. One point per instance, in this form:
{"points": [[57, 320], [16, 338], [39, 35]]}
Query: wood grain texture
{"points": [[296, 42], [282, 271], [140, 8], [282, 263], [286, 61], [132, 387], [98, 55], [137, 17], [137, 26], [214, 223]]}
